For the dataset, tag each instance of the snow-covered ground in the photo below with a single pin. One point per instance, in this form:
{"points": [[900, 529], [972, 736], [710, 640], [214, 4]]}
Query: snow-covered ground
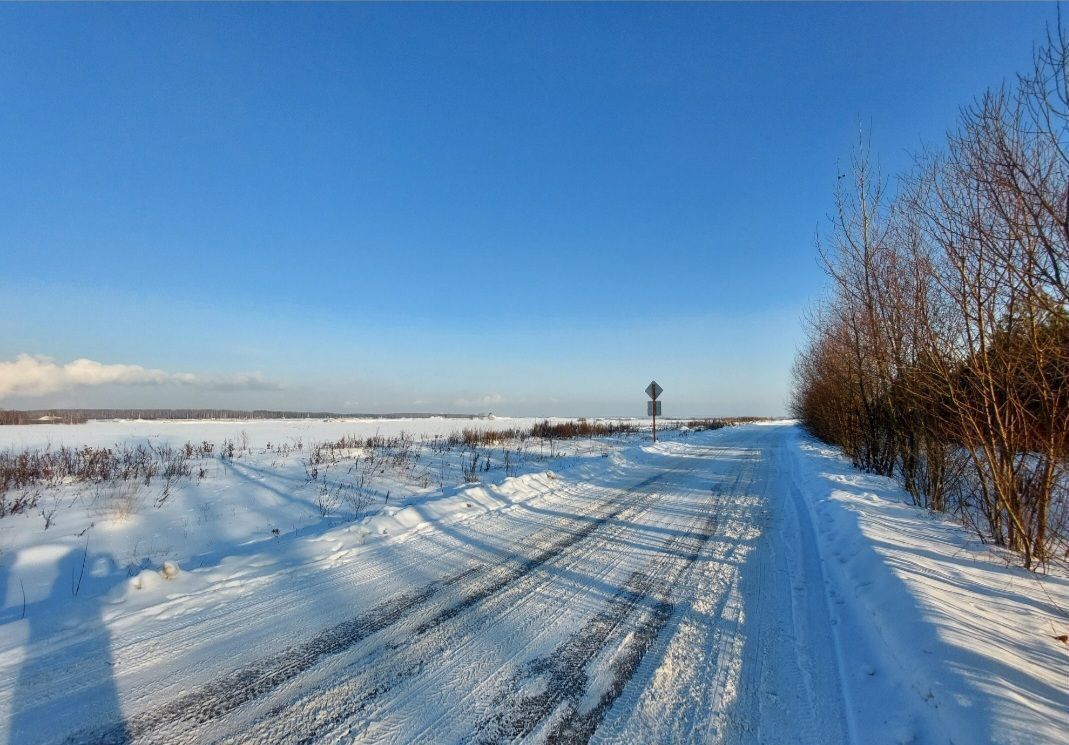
{"points": [[266, 486], [105, 433], [742, 585], [934, 616]]}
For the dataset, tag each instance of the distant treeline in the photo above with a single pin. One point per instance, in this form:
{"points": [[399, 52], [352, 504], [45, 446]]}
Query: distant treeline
{"points": [[80, 416]]}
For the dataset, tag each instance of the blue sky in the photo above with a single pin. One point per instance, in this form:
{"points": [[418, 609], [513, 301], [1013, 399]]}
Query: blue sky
{"points": [[530, 209]]}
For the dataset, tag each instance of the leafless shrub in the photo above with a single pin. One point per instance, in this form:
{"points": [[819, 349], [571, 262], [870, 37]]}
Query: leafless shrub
{"points": [[117, 500], [581, 428], [76, 577], [13, 504], [942, 353], [470, 466], [42, 468], [48, 513], [356, 497], [327, 500]]}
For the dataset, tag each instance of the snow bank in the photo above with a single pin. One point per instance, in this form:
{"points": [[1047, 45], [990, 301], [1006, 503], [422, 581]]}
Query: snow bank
{"points": [[457, 504], [942, 638]]}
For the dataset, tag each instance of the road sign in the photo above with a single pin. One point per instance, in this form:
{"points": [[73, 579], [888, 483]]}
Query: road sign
{"points": [[653, 407]]}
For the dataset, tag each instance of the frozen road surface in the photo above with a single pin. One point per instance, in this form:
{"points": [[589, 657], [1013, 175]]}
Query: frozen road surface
{"points": [[663, 593]]}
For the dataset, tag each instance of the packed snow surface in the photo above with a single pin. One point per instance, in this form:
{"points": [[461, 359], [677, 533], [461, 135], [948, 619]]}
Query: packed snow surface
{"points": [[740, 586]]}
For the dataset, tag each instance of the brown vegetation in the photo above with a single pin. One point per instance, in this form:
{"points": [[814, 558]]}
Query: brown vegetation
{"points": [[942, 353]]}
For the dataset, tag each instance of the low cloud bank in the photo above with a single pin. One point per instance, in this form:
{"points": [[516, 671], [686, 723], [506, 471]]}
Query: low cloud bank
{"points": [[35, 375]]}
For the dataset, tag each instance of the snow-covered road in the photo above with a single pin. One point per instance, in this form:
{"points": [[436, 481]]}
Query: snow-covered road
{"points": [[663, 597], [665, 593]]}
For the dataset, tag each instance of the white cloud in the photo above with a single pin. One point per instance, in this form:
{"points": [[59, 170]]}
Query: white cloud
{"points": [[493, 398], [33, 375]]}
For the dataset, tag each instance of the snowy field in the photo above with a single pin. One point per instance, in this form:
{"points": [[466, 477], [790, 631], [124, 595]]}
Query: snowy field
{"points": [[260, 431], [742, 585], [267, 485]]}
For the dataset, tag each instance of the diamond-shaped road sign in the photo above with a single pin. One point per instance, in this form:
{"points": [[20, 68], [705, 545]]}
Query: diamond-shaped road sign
{"points": [[653, 390]]}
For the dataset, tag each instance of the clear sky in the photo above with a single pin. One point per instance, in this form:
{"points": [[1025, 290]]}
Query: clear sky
{"points": [[529, 209]]}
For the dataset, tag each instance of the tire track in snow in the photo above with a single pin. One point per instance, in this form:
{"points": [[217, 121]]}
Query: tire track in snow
{"points": [[527, 616], [693, 664], [485, 670], [145, 649], [229, 692], [137, 647], [736, 670], [329, 714], [687, 649], [564, 675]]}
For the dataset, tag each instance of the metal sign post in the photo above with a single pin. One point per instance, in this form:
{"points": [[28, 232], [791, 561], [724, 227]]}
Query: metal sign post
{"points": [[653, 407]]}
